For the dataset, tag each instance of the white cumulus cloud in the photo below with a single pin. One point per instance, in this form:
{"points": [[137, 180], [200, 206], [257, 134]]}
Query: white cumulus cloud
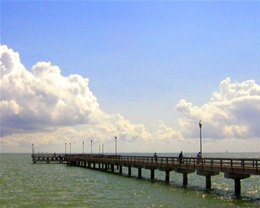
{"points": [[43, 101], [232, 112], [41, 98]]}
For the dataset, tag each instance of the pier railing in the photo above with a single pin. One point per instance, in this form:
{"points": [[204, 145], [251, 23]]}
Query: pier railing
{"points": [[240, 165], [46, 157]]}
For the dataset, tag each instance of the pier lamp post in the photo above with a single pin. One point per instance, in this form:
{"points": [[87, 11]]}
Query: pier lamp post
{"points": [[200, 125], [83, 148], [91, 145], [99, 150], [102, 148], [116, 144], [70, 148], [65, 148]]}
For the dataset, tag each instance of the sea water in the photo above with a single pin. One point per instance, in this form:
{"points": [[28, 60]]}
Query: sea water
{"points": [[24, 184]]}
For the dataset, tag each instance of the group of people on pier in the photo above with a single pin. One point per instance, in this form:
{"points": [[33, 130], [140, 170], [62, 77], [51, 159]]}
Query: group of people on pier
{"points": [[181, 157], [198, 157]]}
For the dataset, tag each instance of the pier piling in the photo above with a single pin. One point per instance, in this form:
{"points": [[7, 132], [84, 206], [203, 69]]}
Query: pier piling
{"points": [[207, 175], [152, 174], [139, 172], [129, 171], [237, 177], [167, 175]]}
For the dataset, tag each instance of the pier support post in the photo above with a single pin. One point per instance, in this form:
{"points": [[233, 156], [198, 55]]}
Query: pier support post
{"points": [[237, 177], [129, 170], [237, 186], [112, 168], [184, 179], [185, 173], [208, 182], [167, 175], [120, 169], [152, 173], [139, 172], [208, 175]]}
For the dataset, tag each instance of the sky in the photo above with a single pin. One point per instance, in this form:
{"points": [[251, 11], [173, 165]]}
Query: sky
{"points": [[145, 72]]}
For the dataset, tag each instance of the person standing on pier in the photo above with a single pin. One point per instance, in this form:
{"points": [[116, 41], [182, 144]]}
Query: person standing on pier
{"points": [[180, 157], [155, 157], [198, 158]]}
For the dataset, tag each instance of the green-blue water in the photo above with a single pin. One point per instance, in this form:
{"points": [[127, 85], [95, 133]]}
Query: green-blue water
{"points": [[24, 184]]}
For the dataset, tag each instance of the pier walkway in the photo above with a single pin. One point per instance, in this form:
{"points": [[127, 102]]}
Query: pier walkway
{"points": [[233, 168]]}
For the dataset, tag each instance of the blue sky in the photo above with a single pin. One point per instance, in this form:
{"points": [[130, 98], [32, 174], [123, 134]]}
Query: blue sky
{"points": [[142, 57]]}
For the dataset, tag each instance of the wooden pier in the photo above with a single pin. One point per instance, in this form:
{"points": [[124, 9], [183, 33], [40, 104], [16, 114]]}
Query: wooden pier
{"points": [[233, 168], [48, 158]]}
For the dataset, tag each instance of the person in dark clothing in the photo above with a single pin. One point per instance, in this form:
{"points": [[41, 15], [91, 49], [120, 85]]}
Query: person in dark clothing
{"points": [[155, 157], [198, 158], [180, 157]]}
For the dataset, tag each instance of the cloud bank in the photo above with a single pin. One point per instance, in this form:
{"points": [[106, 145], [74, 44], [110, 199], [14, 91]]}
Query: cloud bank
{"points": [[41, 99], [44, 101], [233, 112], [42, 106]]}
